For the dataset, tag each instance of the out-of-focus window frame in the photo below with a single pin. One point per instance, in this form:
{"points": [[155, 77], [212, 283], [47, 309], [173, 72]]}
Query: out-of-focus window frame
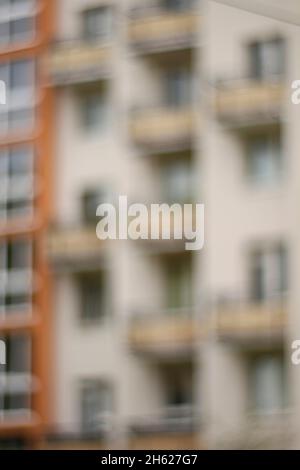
{"points": [[16, 378], [16, 276], [272, 156], [13, 13], [17, 183]]}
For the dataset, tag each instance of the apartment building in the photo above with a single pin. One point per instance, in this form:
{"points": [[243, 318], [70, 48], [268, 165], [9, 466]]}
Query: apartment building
{"points": [[250, 155], [25, 29], [156, 347]]}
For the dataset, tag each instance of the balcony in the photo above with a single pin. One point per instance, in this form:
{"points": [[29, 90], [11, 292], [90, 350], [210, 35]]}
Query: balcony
{"points": [[240, 104], [163, 129], [72, 438], [154, 30], [72, 249], [172, 428], [171, 333], [250, 323], [168, 227], [78, 62], [17, 385], [262, 431], [75, 441]]}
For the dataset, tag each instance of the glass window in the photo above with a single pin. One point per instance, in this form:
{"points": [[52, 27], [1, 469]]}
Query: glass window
{"points": [[268, 273], [177, 182], [178, 283], [4, 73], [4, 33], [92, 292], [96, 404], [18, 22], [178, 84], [176, 4], [267, 383], [97, 23], [18, 354], [21, 74], [16, 178], [21, 29], [90, 201], [15, 276], [18, 255], [19, 77], [264, 158], [21, 161], [21, 120], [15, 394], [94, 110], [267, 59]]}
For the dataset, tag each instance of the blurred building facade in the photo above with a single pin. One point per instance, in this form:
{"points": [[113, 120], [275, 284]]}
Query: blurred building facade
{"points": [[153, 346], [25, 30]]}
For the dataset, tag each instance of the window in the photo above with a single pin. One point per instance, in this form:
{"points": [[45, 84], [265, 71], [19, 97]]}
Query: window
{"points": [[264, 158], [21, 75], [92, 292], [94, 110], [178, 86], [267, 383], [177, 182], [268, 273], [176, 4], [96, 405], [17, 21], [97, 23], [267, 59], [15, 382], [15, 276], [16, 182], [178, 385], [18, 114], [178, 277], [90, 201], [18, 75]]}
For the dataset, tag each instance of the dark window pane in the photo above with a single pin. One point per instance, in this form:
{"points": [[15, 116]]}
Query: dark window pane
{"points": [[97, 23], [18, 354], [92, 295], [22, 29]]}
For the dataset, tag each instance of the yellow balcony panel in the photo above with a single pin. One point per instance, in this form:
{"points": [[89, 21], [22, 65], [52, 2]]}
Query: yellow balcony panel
{"points": [[262, 431], [164, 229], [160, 31], [261, 321], [179, 441], [80, 444], [249, 103], [75, 441], [164, 334], [71, 63], [159, 129], [74, 248], [20, 425]]}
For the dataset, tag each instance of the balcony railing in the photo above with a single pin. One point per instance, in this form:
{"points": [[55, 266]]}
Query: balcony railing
{"points": [[162, 128], [154, 29], [72, 248], [168, 226], [260, 431], [77, 61], [171, 419], [242, 103], [167, 333], [242, 320], [17, 384], [174, 427]]}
